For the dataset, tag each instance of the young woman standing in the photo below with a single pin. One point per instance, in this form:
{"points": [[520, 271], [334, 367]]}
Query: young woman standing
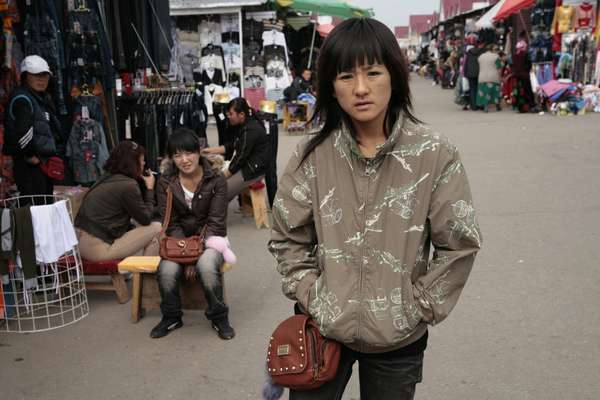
{"points": [[357, 211]]}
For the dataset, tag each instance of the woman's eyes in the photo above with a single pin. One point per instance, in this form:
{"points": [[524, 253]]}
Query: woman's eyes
{"points": [[346, 77]]}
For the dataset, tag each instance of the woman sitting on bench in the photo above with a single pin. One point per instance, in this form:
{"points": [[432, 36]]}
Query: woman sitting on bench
{"points": [[103, 223], [199, 202]]}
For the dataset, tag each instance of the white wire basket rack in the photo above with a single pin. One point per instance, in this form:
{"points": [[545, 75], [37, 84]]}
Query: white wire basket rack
{"points": [[56, 298]]}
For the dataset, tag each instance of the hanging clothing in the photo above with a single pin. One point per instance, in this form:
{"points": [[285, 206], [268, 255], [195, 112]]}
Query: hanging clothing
{"points": [[277, 75], [230, 23], [53, 231], [87, 151], [212, 61], [231, 53], [564, 18], [24, 242], [585, 16], [274, 37], [209, 93], [210, 33]]}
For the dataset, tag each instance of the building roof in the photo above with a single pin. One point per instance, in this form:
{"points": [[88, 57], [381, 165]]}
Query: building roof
{"points": [[421, 23], [452, 8], [402, 32]]}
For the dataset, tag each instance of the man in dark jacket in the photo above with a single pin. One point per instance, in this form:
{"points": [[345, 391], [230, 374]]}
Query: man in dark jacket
{"points": [[249, 152], [472, 72], [33, 132]]}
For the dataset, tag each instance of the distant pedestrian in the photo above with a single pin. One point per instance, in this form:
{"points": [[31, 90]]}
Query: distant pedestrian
{"points": [[471, 72], [490, 70], [523, 98]]}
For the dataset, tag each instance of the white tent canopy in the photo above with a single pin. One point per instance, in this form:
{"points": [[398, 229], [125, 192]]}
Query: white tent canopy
{"points": [[487, 19]]}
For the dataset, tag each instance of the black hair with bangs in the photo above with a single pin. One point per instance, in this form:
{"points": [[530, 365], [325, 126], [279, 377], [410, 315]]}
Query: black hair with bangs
{"points": [[359, 41], [182, 139]]}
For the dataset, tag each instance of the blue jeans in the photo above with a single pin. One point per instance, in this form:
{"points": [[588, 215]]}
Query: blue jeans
{"points": [[208, 268], [385, 376]]}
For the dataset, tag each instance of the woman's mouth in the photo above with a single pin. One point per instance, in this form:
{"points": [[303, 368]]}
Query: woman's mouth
{"points": [[363, 105]]}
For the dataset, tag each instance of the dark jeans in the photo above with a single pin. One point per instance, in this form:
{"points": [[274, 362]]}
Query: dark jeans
{"points": [[473, 83], [208, 268], [385, 376]]}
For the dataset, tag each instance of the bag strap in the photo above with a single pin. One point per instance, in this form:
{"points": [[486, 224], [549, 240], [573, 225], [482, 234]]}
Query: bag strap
{"points": [[167, 218], [203, 233]]}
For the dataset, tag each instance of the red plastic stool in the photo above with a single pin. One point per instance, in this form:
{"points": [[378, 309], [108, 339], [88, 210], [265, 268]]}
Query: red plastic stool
{"points": [[103, 268]]}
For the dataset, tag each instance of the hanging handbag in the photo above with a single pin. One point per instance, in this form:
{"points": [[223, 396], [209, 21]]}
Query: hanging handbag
{"points": [[299, 357], [54, 168], [179, 250]]}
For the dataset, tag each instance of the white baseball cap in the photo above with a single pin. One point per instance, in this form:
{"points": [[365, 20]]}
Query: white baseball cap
{"points": [[35, 65]]}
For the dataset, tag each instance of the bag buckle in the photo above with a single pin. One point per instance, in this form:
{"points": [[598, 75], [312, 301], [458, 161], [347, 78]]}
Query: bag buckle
{"points": [[283, 350]]}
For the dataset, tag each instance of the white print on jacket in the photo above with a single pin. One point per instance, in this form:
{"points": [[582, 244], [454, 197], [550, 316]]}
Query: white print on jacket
{"points": [[466, 224], [412, 150], [324, 308], [331, 212], [402, 200]]}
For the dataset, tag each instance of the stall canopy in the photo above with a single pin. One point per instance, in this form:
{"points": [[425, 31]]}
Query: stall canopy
{"points": [[195, 7], [510, 7], [487, 19], [334, 8]]}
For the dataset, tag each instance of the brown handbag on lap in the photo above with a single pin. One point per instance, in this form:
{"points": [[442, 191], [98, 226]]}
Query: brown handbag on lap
{"points": [[299, 357], [179, 250]]}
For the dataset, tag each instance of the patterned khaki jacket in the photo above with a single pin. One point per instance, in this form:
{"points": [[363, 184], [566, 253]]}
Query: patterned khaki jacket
{"points": [[352, 236]]}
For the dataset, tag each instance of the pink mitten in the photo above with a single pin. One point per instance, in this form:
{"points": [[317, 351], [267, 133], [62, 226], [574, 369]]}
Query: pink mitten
{"points": [[221, 244]]}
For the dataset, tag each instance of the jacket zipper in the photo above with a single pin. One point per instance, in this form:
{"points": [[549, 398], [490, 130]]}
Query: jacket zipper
{"points": [[364, 225]]}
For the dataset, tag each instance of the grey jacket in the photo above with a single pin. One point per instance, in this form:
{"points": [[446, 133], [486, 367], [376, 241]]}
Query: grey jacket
{"points": [[352, 236]]}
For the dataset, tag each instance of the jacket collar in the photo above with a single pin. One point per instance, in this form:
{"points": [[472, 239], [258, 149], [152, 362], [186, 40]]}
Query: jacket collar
{"points": [[350, 141], [171, 172]]}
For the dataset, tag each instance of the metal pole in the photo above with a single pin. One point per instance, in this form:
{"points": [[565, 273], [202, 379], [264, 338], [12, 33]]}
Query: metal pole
{"points": [[145, 50], [524, 27], [312, 45], [159, 24]]}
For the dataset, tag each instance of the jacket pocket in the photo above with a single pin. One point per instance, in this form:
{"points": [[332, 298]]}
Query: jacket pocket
{"points": [[404, 310]]}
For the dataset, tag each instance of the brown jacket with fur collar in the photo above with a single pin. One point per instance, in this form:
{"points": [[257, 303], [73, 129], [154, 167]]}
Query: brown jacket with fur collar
{"points": [[209, 206]]}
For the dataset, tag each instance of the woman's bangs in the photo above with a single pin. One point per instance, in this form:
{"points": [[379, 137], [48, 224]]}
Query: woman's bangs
{"points": [[356, 47], [182, 142]]}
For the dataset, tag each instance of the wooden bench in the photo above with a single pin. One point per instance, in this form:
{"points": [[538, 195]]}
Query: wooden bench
{"points": [[145, 294], [254, 202]]}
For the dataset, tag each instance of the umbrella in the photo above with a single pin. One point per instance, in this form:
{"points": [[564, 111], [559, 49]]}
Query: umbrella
{"points": [[335, 8], [487, 19], [510, 7]]}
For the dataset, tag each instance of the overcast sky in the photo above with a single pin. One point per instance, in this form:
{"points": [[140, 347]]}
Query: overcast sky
{"points": [[396, 12]]}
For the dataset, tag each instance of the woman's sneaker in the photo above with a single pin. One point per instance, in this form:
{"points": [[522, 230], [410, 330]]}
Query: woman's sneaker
{"points": [[224, 330], [165, 326]]}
